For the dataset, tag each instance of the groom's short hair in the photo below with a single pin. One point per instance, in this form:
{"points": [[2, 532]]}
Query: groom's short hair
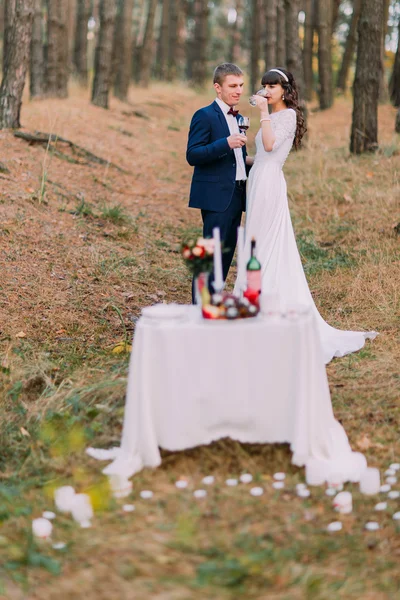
{"points": [[224, 70]]}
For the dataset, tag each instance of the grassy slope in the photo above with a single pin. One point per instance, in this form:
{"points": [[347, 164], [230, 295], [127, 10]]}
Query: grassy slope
{"points": [[76, 267]]}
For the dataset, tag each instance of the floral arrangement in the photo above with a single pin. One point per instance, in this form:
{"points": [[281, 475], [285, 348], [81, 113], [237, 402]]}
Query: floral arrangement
{"points": [[199, 255]]}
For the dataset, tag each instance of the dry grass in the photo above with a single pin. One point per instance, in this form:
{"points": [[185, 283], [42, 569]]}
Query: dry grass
{"points": [[100, 242]]}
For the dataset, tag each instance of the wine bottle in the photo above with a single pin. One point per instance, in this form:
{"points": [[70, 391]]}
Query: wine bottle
{"points": [[253, 271]]}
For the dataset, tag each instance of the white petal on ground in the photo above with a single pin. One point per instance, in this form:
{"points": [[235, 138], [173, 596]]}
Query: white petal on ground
{"points": [[279, 476], [334, 526], [390, 472], [393, 494], [385, 488], [372, 526], [396, 516], [278, 485], [303, 493], [231, 482], [256, 491], [391, 480], [330, 492], [48, 514], [199, 493], [381, 506], [128, 507], [59, 546], [301, 486], [246, 478], [181, 484], [146, 494], [395, 466], [42, 528], [208, 480]]}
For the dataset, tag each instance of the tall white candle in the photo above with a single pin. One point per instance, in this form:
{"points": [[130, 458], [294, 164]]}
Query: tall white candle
{"points": [[218, 277], [241, 271]]}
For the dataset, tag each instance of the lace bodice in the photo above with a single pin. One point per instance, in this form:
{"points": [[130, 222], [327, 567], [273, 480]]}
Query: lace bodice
{"points": [[284, 127]]}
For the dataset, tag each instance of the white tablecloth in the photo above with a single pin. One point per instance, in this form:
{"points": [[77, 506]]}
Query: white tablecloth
{"points": [[262, 380]]}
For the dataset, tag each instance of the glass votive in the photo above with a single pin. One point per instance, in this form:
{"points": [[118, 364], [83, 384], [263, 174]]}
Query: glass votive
{"points": [[315, 472], [370, 481]]}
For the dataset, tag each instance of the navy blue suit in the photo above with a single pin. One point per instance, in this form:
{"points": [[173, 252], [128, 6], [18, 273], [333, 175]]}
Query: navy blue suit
{"points": [[214, 189]]}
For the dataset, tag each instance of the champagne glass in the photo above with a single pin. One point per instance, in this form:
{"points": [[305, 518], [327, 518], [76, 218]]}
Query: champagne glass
{"points": [[263, 92], [244, 124]]}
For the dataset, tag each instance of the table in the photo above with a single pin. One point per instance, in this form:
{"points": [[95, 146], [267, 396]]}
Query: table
{"points": [[259, 380]]}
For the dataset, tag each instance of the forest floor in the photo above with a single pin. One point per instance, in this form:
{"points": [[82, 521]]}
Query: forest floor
{"points": [[83, 247]]}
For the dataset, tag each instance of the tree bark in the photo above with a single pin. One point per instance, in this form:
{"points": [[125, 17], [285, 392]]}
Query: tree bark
{"points": [[16, 64], [349, 48], [325, 54], [81, 42], [397, 125], [163, 40], [294, 61], [271, 33], [174, 42], [364, 131], [103, 57], [308, 45], [255, 42], [394, 86], [235, 48], [199, 69], [124, 49], [147, 49], [281, 43], [9, 14], [36, 79], [383, 85], [57, 67], [335, 13]]}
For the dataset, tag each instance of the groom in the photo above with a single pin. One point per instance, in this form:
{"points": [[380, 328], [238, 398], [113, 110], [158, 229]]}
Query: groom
{"points": [[216, 149]]}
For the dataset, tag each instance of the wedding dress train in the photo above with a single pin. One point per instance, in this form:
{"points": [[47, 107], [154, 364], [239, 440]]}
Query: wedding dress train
{"points": [[268, 221]]}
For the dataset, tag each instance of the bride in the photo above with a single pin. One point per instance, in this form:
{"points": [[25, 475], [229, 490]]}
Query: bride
{"points": [[268, 218]]}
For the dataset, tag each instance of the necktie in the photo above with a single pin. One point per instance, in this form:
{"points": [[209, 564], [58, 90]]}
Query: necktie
{"points": [[233, 112]]}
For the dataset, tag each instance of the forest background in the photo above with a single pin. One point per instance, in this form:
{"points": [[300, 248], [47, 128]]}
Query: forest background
{"points": [[95, 104]]}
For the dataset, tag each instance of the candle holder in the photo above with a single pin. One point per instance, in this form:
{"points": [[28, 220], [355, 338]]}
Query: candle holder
{"points": [[370, 481]]}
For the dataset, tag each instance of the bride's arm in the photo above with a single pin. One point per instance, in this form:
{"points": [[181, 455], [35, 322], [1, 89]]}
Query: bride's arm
{"points": [[267, 135], [249, 161]]}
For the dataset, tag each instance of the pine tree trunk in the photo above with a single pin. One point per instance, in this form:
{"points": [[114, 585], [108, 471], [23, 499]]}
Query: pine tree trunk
{"points": [[271, 33], [16, 64], [199, 72], [383, 85], [397, 125], [174, 45], [36, 79], [335, 13], [394, 86], [57, 67], [9, 14], [349, 48], [137, 37], [163, 41], [255, 42], [308, 45], [364, 131], [235, 48], [81, 43], [325, 54], [103, 57], [124, 54], [281, 44], [294, 60], [147, 49]]}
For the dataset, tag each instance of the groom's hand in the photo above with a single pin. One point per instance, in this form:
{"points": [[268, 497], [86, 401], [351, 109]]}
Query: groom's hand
{"points": [[236, 140]]}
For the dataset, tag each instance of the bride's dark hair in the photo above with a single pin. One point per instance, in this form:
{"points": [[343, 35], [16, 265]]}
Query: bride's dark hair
{"points": [[291, 99]]}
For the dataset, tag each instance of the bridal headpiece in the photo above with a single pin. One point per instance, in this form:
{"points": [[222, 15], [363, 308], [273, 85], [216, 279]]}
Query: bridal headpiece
{"points": [[285, 77]]}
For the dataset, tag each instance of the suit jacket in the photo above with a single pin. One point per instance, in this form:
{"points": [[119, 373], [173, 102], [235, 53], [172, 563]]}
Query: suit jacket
{"points": [[213, 160]]}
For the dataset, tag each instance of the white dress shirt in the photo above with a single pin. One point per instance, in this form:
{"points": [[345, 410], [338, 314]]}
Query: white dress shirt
{"points": [[234, 128]]}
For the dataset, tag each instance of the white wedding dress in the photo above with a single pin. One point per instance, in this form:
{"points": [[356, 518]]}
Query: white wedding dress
{"points": [[268, 221]]}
